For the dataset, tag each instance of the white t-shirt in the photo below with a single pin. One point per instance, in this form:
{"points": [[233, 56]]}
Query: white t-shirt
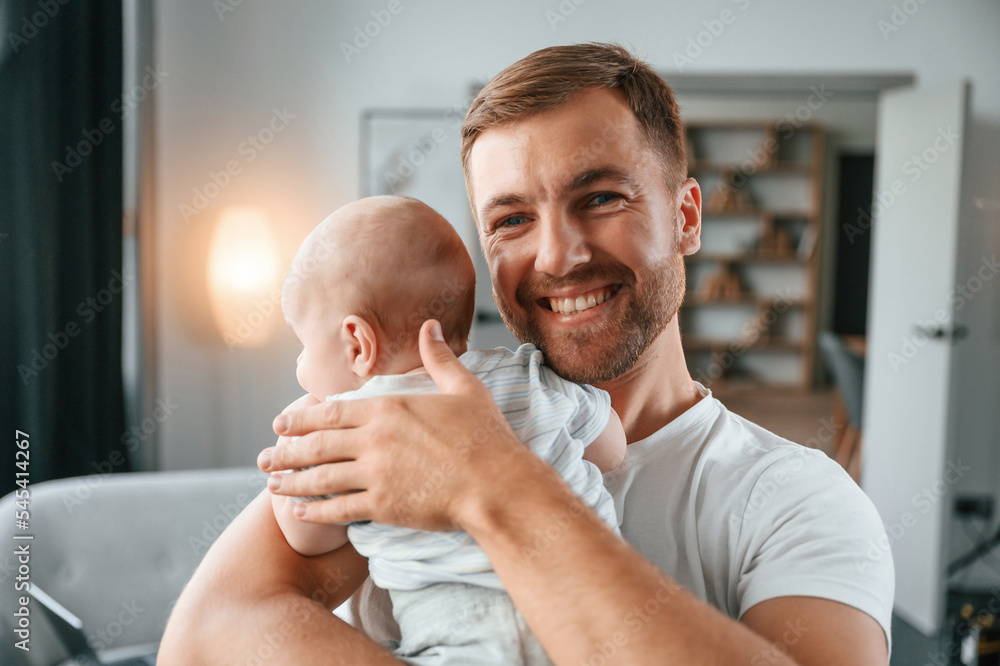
{"points": [[738, 515]]}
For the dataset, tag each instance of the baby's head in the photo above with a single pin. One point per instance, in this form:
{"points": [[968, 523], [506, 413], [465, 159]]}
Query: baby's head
{"points": [[363, 283]]}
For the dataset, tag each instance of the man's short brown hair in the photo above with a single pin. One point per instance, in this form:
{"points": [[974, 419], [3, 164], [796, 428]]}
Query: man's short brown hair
{"points": [[550, 77]]}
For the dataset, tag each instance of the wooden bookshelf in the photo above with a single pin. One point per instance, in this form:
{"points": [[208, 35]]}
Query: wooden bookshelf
{"points": [[749, 317]]}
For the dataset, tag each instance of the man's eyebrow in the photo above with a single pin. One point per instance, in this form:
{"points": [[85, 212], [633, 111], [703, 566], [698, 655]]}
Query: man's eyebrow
{"points": [[592, 176], [500, 201]]}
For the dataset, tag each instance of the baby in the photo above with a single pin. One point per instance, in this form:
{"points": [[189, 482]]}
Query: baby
{"points": [[392, 263]]}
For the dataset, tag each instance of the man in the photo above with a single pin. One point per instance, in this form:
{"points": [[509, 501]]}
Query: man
{"points": [[576, 173]]}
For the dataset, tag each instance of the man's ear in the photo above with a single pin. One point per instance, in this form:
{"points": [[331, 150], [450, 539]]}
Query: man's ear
{"points": [[360, 343], [688, 219]]}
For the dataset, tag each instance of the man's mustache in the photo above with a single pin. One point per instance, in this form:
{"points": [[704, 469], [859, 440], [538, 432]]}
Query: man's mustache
{"points": [[531, 289]]}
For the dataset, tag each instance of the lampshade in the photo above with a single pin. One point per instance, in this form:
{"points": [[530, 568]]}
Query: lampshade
{"points": [[243, 277]]}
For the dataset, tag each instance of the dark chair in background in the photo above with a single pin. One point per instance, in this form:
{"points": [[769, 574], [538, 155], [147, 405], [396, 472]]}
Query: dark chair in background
{"points": [[848, 371]]}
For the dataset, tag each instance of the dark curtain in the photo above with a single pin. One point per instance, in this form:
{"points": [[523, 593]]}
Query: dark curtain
{"points": [[61, 237]]}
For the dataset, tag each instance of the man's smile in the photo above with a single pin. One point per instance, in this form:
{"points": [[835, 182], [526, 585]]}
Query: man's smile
{"points": [[578, 301]]}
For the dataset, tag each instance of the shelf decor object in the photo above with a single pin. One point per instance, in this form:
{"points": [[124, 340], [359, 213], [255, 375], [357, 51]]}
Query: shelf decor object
{"points": [[749, 317]]}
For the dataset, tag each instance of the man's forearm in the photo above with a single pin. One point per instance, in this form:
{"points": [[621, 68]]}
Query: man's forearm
{"points": [[586, 593], [253, 598]]}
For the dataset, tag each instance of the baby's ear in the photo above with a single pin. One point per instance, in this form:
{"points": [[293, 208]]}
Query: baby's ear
{"points": [[362, 345]]}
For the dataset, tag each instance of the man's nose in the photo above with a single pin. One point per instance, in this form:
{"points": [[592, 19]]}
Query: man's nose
{"points": [[299, 359], [562, 245]]}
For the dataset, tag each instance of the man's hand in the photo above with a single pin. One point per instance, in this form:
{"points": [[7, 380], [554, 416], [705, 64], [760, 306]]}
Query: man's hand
{"points": [[420, 461]]}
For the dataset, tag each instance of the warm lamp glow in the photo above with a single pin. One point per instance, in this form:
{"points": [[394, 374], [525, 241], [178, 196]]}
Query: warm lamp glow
{"points": [[243, 277]]}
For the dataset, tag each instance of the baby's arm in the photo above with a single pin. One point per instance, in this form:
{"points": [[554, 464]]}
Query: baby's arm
{"points": [[306, 538], [608, 450]]}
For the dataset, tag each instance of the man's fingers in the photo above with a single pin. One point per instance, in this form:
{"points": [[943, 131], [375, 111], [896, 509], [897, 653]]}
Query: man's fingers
{"points": [[343, 509], [322, 416], [264, 459], [320, 480], [441, 363], [314, 448]]}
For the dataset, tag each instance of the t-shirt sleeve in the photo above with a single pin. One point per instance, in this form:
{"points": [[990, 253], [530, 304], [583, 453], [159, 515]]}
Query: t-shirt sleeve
{"points": [[809, 530], [592, 406]]}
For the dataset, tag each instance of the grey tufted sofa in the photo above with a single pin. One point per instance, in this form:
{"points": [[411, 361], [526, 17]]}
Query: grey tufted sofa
{"points": [[115, 550]]}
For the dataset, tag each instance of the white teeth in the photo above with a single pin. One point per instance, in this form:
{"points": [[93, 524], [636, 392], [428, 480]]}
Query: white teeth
{"points": [[578, 304]]}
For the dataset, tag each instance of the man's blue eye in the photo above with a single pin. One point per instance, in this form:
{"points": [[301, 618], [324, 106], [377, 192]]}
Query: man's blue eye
{"points": [[603, 198], [511, 221]]}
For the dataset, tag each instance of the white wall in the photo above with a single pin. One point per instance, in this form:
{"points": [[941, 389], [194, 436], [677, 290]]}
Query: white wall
{"points": [[225, 75]]}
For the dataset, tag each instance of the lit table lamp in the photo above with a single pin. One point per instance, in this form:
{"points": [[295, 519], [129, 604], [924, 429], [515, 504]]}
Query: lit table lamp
{"points": [[243, 279]]}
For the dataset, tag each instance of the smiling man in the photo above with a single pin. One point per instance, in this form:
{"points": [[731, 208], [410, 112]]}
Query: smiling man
{"points": [[741, 547]]}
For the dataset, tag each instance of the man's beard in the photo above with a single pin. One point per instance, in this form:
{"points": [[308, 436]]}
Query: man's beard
{"points": [[605, 351]]}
